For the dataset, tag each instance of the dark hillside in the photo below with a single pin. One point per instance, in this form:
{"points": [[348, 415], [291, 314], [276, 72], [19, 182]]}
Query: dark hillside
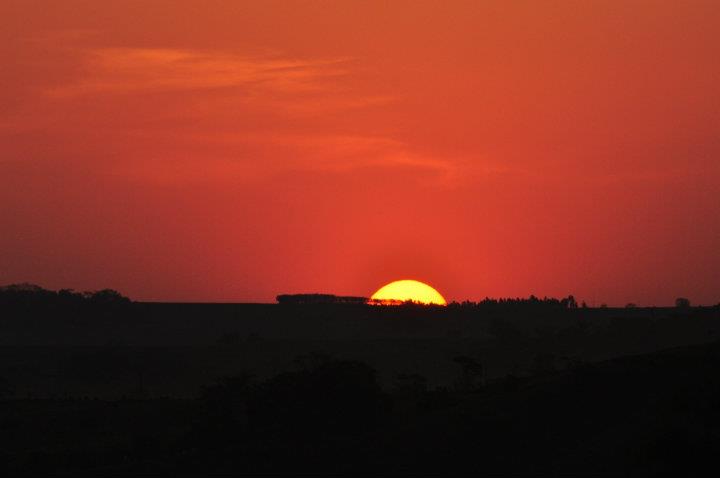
{"points": [[639, 415], [103, 345]]}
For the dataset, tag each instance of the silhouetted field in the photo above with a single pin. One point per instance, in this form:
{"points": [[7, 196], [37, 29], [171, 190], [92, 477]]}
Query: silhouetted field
{"points": [[639, 415], [147, 349], [96, 383]]}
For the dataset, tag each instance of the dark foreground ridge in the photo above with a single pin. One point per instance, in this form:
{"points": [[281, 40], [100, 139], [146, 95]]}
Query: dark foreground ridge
{"points": [[93, 383], [638, 415]]}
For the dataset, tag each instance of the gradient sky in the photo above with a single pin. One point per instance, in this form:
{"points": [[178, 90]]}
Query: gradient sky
{"points": [[231, 151]]}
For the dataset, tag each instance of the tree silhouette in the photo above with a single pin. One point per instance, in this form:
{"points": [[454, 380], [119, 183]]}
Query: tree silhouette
{"points": [[682, 303], [335, 396], [472, 373], [411, 384], [5, 390]]}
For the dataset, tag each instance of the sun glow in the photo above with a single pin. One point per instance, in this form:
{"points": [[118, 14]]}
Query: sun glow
{"points": [[407, 290]]}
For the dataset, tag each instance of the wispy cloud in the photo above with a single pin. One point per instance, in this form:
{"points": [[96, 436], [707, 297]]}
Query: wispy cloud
{"points": [[118, 70], [207, 139], [233, 157]]}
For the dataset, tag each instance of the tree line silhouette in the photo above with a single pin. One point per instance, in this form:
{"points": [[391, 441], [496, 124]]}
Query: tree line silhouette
{"points": [[32, 295], [531, 302], [319, 299]]}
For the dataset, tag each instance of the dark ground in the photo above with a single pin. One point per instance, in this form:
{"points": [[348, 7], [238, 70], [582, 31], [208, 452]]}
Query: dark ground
{"points": [[191, 388]]}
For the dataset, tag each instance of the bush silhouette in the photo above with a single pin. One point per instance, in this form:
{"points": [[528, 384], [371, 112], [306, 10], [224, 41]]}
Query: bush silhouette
{"points": [[323, 398], [332, 397], [5, 390], [682, 303]]}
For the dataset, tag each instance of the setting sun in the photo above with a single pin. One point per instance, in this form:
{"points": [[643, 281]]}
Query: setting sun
{"points": [[408, 290]]}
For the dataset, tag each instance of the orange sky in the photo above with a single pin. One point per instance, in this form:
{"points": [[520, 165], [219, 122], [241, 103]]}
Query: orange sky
{"points": [[231, 151]]}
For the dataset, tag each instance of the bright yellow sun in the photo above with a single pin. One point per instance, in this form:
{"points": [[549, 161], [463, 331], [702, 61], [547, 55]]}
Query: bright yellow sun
{"points": [[404, 290]]}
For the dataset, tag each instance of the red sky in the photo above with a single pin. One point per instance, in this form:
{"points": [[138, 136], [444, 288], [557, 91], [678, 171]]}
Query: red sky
{"points": [[231, 151]]}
